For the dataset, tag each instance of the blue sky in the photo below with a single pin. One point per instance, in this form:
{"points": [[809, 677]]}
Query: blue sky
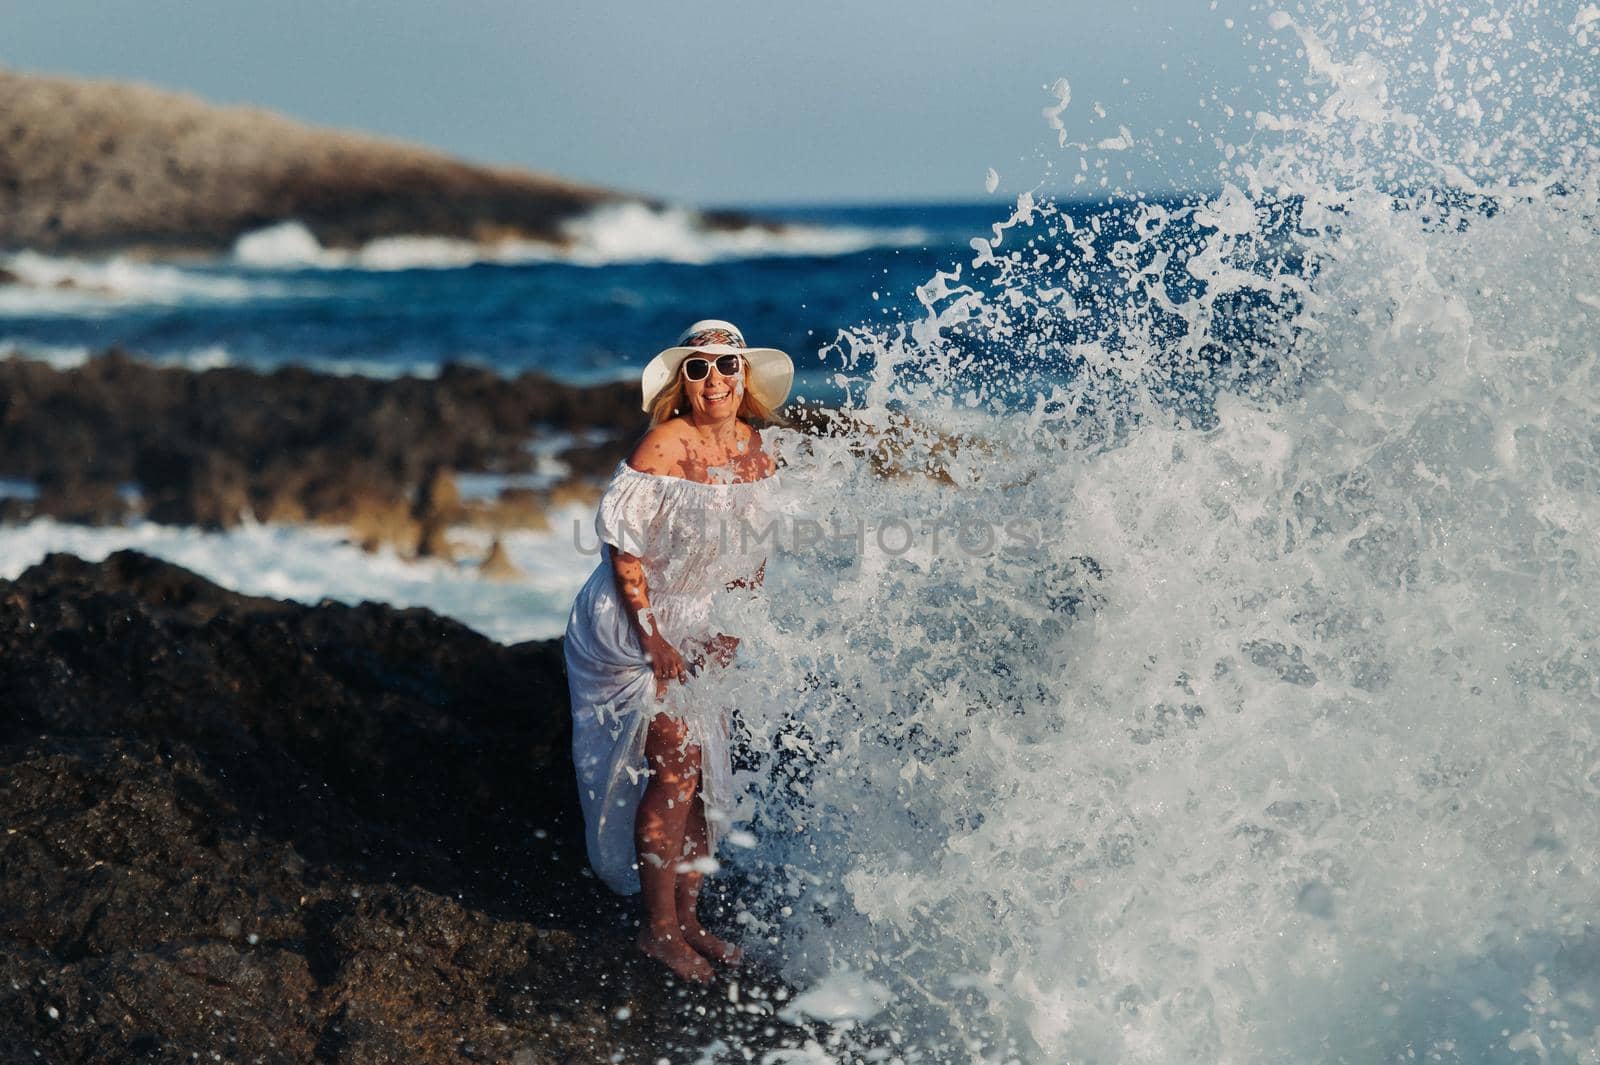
{"points": [[716, 102]]}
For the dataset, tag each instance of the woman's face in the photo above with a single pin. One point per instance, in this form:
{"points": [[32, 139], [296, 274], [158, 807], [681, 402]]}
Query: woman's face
{"points": [[715, 396]]}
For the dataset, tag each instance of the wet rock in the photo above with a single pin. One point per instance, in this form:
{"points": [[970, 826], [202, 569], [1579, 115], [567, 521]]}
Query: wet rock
{"points": [[497, 564], [280, 505], [518, 508], [209, 448], [578, 492], [438, 507], [901, 447], [269, 832], [592, 461], [376, 523], [188, 487], [439, 499], [80, 500], [434, 542]]}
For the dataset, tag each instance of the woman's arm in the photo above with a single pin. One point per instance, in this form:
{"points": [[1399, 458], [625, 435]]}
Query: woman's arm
{"points": [[659, 452], [665, 660]]}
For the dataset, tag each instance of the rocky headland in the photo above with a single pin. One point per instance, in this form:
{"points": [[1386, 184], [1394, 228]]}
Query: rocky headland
{"points": [[93, 167], [246, 830]]}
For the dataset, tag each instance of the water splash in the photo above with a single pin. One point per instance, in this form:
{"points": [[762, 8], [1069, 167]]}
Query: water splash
{"points": [[1255, 716]]}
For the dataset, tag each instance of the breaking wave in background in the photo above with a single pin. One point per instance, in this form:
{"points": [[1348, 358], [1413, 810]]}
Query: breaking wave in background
{"points": [[1271, 730], [590, 310], [620, 233]]}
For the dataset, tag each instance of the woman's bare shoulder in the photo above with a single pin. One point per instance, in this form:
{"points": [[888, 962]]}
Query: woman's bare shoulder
{"points": [[660, 450]]}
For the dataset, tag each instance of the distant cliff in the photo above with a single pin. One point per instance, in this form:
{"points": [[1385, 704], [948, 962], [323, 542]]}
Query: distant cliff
{"points": [[89, 166]]}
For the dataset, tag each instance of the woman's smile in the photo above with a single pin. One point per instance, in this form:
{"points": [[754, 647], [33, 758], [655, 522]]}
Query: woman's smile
{"points": [[718, 391]]}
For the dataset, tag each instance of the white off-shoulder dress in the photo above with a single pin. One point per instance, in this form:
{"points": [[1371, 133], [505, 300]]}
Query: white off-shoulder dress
{"points": [[693, 540]]}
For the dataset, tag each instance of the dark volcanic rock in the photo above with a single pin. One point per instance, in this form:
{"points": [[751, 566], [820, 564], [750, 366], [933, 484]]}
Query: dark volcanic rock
{"points": [[213, 447], [267, 832], [65, 496]]}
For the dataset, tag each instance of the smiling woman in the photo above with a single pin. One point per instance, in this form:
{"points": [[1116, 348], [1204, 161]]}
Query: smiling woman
{"points": [[675, 377], [655, 781]]}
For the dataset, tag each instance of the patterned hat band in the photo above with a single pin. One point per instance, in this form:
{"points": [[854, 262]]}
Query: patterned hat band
{"points": [[713, 336]]}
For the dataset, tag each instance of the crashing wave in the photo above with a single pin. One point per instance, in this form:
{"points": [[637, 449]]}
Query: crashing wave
{"points": [[64, 285], [1228, 694], [638, 233]]}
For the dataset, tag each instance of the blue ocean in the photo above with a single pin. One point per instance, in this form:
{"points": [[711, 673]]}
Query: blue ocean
{"points": [[596, 312]]}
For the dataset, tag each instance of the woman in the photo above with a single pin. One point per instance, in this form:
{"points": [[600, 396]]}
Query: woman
{"points": [[676, 526]]}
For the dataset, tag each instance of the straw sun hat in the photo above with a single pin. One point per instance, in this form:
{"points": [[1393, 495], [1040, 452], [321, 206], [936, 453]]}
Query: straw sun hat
{"points": [[770, 371]]}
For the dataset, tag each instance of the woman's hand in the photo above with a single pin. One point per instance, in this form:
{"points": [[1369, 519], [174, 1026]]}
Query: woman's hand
{"points": [[665, 660]]}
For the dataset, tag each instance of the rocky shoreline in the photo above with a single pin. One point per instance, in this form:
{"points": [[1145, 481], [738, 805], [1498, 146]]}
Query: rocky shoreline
{"points": [[117, 439], [247, 830]]}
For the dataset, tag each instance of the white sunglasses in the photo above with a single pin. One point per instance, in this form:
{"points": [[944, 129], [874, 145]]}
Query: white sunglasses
{"points": [[696, 368]]}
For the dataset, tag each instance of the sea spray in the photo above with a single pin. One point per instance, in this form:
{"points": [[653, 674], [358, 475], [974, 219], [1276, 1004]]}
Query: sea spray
{"points": [[1271, 734]]}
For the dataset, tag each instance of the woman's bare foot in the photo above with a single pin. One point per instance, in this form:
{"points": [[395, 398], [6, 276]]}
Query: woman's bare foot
{"points": [[671, 950], [709, 946]]}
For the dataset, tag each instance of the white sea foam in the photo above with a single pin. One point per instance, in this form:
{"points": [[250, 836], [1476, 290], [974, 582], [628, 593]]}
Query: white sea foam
{"points": [[71, 356], [618, 233], [1062, 91], [60, 356], [210, 357], [310, 564], [637, 233], [284, 244], [1279, 741], [840, 999], [291, 245], [57, 285]]}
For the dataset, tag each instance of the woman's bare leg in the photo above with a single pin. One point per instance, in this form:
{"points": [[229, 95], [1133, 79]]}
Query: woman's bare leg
{"points": [[659, 829], [689, 881]]}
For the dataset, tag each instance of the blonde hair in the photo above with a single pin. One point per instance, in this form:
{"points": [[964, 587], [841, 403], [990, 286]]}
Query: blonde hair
{"points": [[672, 399]]}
